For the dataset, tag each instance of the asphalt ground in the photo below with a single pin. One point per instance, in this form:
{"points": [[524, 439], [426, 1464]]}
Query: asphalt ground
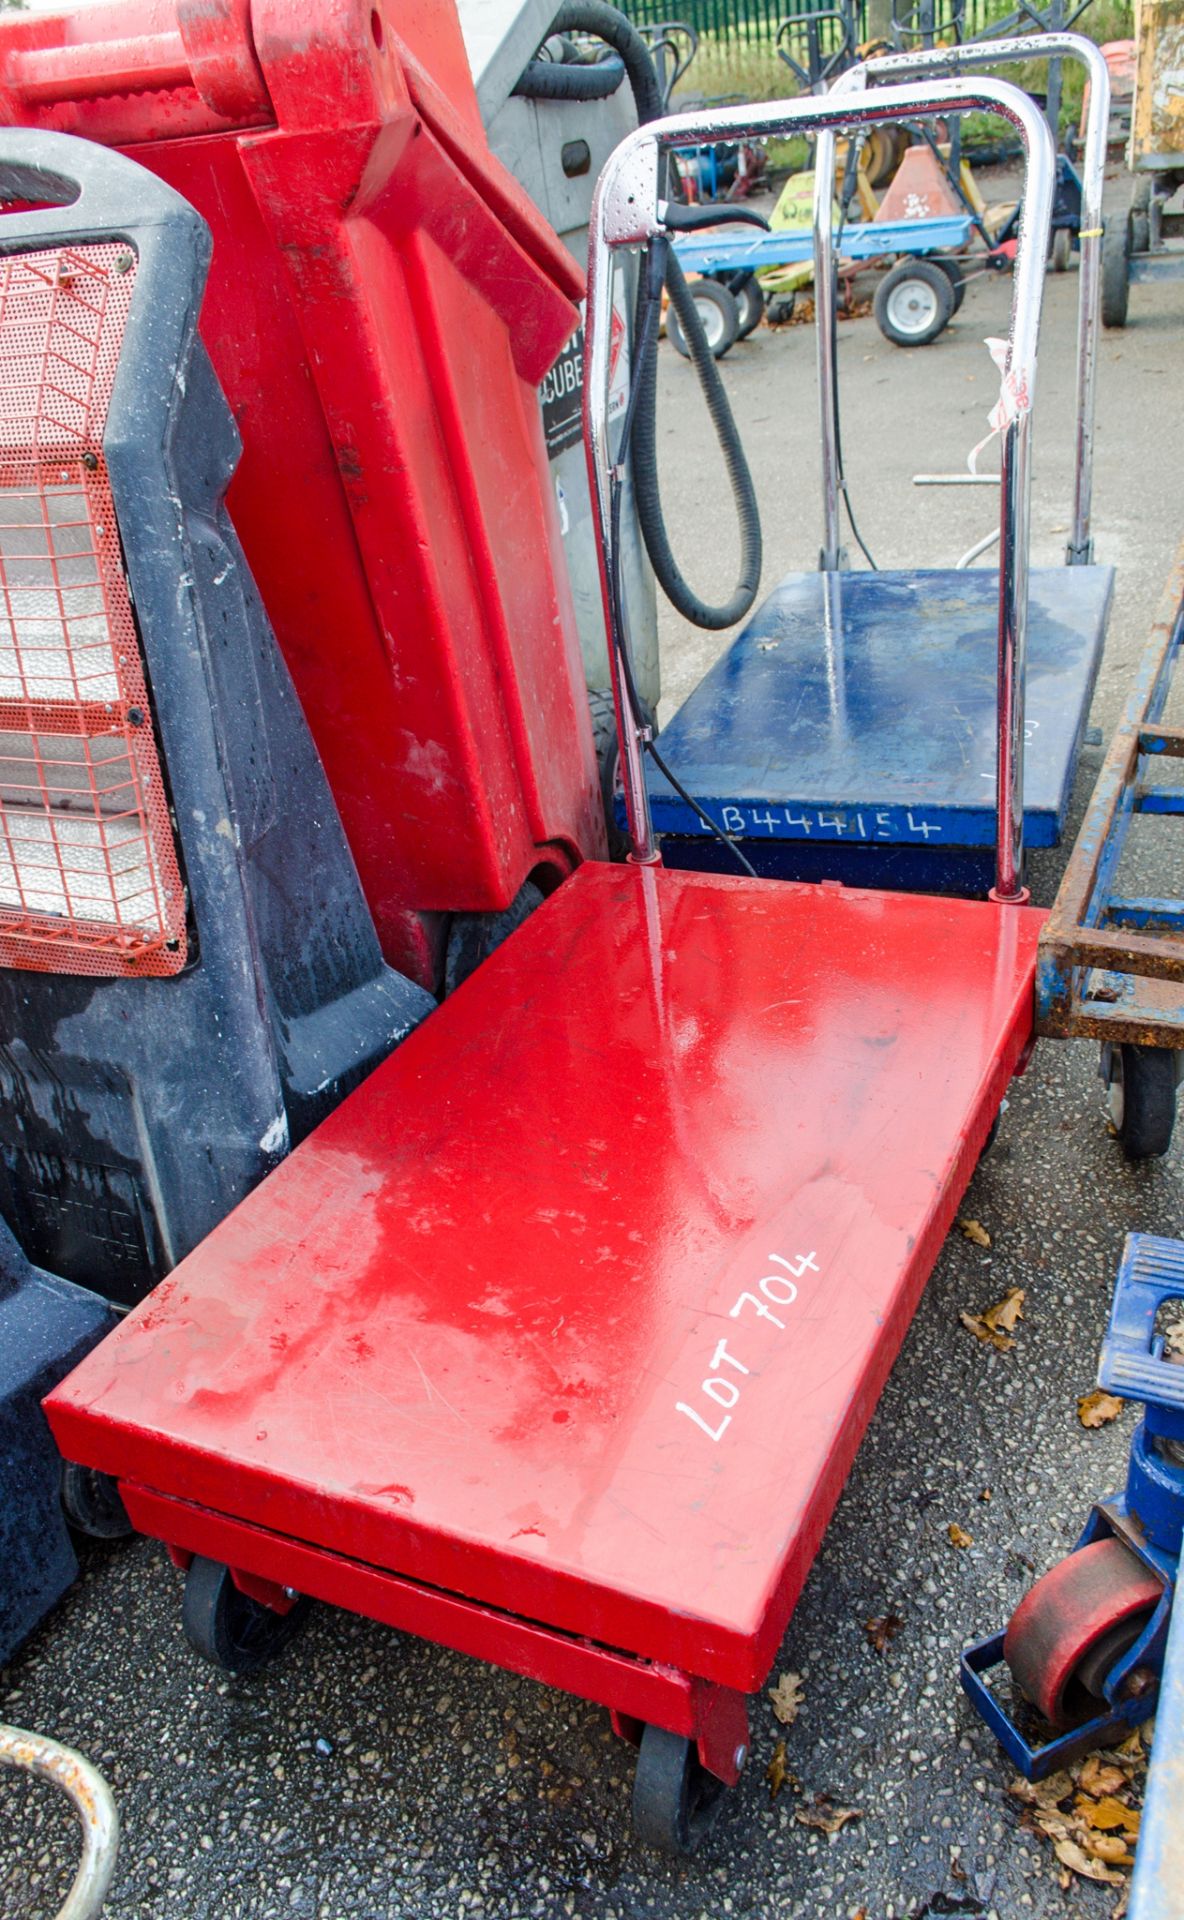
{"points": [[370, 1775]]}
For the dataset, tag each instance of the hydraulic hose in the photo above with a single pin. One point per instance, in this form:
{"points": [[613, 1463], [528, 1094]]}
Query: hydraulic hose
{"points": [[644, 448], [608, 24], [570, 79]]}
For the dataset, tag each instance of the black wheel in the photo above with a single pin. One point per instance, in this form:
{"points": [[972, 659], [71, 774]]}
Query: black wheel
{"points": [[1062, 250], [91, 1502], [1115, 272], [604, 735], [472, 937], [1142, 1083], [954, 274], [883, 151], [227, 1627], [750, 306], [780, 308], [675, 1799], [718, 312], [1139, 218], [914, 303]]}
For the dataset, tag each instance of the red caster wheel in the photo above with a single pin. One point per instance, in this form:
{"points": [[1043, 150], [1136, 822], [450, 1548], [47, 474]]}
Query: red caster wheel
{"points": [[1068, 1631]]}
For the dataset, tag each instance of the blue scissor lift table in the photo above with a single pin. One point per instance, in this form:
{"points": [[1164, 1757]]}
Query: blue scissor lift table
{"points": [[849, 732]]}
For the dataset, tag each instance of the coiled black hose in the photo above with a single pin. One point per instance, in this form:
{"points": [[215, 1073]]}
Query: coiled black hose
{"points": [[607, 23], [570, 79], [644, 448]]}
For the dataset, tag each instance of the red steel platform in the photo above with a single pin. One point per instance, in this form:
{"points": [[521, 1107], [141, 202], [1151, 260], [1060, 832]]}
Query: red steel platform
{"points": [[578, 1307]]}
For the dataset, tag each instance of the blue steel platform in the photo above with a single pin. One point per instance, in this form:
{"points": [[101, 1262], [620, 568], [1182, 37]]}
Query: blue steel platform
{"points": [[849, 731], [720, 249]]}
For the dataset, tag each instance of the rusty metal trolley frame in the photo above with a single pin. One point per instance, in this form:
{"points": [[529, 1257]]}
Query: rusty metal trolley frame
{"points": [[1112, 966]]}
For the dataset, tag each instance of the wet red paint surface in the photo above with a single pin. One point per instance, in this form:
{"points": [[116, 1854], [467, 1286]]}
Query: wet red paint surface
{"points": [[580, 1305]]}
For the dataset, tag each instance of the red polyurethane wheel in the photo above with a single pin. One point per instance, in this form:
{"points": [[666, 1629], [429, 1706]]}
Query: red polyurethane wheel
{"points": [[1072, 1626]]}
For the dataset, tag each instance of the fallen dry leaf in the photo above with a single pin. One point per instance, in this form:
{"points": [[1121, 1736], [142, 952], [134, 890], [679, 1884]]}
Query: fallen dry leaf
{"points": [[1110, 1847], [1051, 1822], [1107, 1813], [824, 1816], [778, 1773], [1096, 1409], [882, 1629], [1042, 1793], [787, 1698], [1131, 1752], [1173, 1341], [1094, 1837], [1099, 1777], [1002, 1342], [959, 1536], [997, 1324], [1002, 1317], [1071, 1855], [975, 1230]]}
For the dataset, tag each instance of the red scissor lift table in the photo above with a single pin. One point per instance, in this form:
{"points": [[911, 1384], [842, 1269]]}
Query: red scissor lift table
{"points": [[555, 1342]]}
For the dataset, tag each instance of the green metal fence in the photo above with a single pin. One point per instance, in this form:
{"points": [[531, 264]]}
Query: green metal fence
{"points": [[752, 21]]}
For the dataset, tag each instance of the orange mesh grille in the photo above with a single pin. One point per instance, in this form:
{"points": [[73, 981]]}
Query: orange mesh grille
{"points": [[89, 880]]}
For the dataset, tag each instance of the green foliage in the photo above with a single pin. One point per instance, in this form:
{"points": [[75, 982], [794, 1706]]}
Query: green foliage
{"points": [[737, 56]]}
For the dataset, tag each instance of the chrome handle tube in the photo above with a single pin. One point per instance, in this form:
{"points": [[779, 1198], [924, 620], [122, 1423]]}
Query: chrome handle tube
{"points": [[626, 211], [1042, 46]]}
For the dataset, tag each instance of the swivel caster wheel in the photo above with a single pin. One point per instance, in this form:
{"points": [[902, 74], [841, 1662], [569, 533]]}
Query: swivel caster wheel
{"points": [[675, 1799], [92, 1504], [226, 1626], [1070, 1629], [1142, 1084]]}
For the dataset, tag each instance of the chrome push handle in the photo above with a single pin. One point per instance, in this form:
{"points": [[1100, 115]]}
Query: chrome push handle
{"points": [[1042, 46], [627, 212]]}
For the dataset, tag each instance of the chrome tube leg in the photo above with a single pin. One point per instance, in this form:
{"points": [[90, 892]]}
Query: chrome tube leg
{"points": [[1089, 308], [1034, 46], [630, 732], [1012, 660], [824, 337]]}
